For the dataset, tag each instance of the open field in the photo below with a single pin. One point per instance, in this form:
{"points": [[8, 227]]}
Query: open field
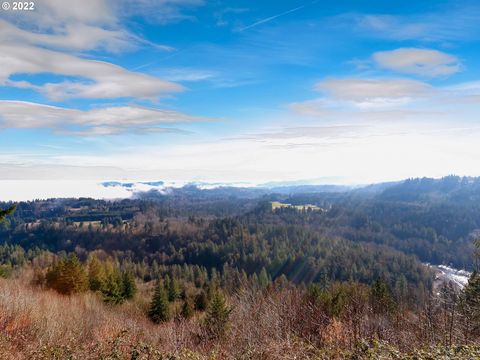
{"points": [[278, 205]]}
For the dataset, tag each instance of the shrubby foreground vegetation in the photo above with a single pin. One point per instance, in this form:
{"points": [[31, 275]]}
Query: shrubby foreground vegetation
{"points": [[277, 321], [170, 277]]}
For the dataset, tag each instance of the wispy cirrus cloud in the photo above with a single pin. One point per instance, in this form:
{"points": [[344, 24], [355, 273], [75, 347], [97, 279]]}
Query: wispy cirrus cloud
{"points": [[461, 24], [158, 11], [222, 16], [94, 122], [188, 74]]}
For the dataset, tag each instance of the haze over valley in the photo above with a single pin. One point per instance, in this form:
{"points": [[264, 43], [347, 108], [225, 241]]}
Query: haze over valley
{"points": [[226, 179]]}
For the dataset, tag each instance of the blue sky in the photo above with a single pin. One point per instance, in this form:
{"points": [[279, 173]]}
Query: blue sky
{"points": [[239, 91]]}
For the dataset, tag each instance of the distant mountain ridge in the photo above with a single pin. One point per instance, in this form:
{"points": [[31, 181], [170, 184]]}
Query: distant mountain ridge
{"points": [[452, 188]]}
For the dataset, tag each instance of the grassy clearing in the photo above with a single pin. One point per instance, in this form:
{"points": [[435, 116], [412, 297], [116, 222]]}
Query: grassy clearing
{"points": [[278, 205]]}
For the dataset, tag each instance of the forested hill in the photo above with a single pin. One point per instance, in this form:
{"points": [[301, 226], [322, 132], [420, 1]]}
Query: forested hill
{"points": [[454, 189], [435, 219], [359, 234]]}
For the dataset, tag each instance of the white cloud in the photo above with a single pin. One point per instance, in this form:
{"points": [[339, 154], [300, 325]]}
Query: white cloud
{"points": [[41, 42], [72, 36], [104, 121], [158, 11], [44, 42], [425, 62], [99, 79], [373, 92], [392, 152], [375, 101], [89, 24], [326, 132]]}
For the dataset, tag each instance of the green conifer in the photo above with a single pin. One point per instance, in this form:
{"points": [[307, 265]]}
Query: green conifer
{"points": [[382, 298], [4, 213], [264, 279], [129, 287], [216, 319], [201, 301], [159, 310], [67, 276], [173, 290], [187, 308], [96, 274], [112, 288]]}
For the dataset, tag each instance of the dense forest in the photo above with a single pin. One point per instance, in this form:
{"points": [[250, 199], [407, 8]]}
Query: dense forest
{"points": [[352, 259]]}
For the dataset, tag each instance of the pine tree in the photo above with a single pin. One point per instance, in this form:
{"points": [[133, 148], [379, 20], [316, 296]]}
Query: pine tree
{"points": [[173, 290], [4, 213], [381, 295], [201, 301], [67, 276], [159, 310], [166, 283], [112, 287], [263, 279], [187, 308], [129, 287], [74, 274], [96, 274], [216, 319]]}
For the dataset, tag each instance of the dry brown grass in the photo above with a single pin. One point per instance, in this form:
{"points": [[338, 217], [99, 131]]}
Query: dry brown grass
{"points": [[37, 324], [41, 324]]}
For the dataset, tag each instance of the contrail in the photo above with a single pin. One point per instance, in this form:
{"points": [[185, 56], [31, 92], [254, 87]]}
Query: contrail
{"points": [[263, 21]]}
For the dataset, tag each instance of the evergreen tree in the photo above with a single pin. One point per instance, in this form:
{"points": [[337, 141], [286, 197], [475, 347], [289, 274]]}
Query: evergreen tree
{"points": [[187, 308], [129, 287], [201, 301], [4, 213], [112, 288], [173, 290], [166, 283], [96, 274], [314, 293], [67, 276], [381, 296], [216, 319], [159, 310], [183, 293], [264, 279]]}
